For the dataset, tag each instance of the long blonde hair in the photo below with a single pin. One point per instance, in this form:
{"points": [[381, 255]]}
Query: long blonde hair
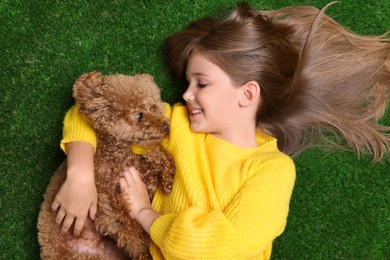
{"points": [[316, 77]]}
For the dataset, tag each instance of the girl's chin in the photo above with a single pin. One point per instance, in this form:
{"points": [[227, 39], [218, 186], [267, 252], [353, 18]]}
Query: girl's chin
{"points": [[196, 128]]}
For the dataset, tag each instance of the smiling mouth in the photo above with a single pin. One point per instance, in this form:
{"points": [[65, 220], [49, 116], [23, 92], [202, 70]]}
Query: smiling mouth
{"points": [[196, 111]]}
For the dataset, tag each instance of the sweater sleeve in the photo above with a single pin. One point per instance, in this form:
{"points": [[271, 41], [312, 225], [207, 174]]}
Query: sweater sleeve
{"points": [[77, 129], [244, 229]]}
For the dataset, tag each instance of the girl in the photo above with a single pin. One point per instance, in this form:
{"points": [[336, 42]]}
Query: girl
{"points": [[261, 84]]}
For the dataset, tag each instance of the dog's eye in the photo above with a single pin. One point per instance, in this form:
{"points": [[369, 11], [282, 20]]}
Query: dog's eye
{"points": [[140, 116]]}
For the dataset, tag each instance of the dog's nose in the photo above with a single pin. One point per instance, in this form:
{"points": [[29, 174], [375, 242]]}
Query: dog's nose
{"points": [[166, 128]]}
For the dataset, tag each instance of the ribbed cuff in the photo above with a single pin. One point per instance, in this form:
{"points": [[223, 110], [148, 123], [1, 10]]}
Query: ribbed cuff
{"points": [[77, 129], [160, 227]]}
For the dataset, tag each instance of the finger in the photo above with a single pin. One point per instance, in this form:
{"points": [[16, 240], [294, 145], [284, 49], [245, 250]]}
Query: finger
{"points": [[60, 216], [55, 205], [128, 177], [66, 224], [92, 210], [78, 226], [124, 189], [123, 183], [135, 174]]}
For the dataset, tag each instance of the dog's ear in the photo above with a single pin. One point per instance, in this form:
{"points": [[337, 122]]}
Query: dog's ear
{"points": [[88, 91], [87, 86]]}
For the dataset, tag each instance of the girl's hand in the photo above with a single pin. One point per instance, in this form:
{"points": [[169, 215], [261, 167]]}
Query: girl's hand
{"points": [[137, 198], [76, 199]]}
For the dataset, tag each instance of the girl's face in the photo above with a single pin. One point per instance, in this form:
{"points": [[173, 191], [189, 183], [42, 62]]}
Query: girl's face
{"points": [[211, 97]]}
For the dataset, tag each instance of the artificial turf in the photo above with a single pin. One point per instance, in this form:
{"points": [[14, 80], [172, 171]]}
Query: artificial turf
{"points": [[340, 204]]}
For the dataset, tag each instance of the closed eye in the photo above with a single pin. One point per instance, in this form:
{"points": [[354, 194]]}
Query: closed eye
{"points": [[201, 85]]}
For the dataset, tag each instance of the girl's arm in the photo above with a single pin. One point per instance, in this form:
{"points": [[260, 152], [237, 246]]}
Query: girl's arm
{"points": [[245, 228], [77, 197]]}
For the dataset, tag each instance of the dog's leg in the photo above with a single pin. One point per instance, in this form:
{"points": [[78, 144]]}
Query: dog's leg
{"points": [[106, 221], [161, 162]]}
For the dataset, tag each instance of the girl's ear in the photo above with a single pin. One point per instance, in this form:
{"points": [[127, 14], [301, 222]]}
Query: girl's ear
{"points": [[250, 93]]}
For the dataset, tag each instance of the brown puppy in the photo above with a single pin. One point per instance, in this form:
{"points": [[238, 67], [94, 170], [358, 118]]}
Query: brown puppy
{"points": [[125, 111]]}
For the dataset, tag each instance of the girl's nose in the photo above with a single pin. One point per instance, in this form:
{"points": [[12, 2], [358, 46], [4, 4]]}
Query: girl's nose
{"points": [[188, 95]]}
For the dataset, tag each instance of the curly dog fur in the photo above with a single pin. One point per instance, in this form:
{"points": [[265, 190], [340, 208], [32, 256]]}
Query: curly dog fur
{"points": [[124, 111]]}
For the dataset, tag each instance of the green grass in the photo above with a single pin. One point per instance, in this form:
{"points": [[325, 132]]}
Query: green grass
{"points": [[340, 205]]}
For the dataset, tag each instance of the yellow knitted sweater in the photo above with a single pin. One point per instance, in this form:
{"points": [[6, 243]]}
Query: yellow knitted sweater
{"points": [[227, 202]]}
